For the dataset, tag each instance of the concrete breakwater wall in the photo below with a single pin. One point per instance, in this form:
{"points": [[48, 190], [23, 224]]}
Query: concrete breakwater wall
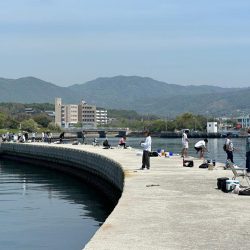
{"points": [[102, 172]]}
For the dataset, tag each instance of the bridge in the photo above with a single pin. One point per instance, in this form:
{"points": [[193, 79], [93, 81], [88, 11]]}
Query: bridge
{"points": [[101, 131]]}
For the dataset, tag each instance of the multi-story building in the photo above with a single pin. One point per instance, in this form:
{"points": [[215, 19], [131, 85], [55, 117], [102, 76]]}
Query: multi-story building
{"points": [[58, 111], [87, 114], [101, 117], [68, 115], [244, 121]]}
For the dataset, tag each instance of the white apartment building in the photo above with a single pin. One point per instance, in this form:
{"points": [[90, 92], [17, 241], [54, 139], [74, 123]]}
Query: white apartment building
{"points": [[101, 117]]}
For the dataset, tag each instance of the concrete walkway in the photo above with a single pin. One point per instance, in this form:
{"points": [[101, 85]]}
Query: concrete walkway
{"points": [[171, 207]]}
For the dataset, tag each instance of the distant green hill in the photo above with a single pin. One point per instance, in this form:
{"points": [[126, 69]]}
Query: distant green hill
{"points": [[30, 89], [142, 94]]}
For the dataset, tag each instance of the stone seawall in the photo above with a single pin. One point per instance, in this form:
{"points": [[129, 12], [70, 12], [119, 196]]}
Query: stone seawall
{"points": [[102, 172]]}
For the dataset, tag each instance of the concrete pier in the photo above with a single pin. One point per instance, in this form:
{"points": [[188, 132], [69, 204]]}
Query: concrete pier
{"points": [[166, 207]]}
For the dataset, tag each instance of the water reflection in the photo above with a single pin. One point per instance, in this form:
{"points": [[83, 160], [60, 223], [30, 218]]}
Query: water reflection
{"points": [[46, 209]]}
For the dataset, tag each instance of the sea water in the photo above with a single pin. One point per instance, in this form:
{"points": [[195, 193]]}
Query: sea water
{"points": [[215, 147], [46, 209]]}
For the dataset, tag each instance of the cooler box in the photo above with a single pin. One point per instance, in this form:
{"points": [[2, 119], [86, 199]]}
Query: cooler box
{"points": [[220, 181], [231, 184]]}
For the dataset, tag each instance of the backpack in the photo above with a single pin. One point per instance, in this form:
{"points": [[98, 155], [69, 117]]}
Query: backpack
{"points": [[245, 191], [204, 165], [187, 163], [225, 147]]}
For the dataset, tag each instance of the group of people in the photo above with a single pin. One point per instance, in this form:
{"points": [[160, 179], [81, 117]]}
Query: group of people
{"points": [[200, 146], [106, 145], [15, 137], [24, 137]]}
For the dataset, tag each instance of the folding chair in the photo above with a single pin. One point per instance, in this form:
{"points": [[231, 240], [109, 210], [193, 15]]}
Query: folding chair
{"points": [[238, 172]]}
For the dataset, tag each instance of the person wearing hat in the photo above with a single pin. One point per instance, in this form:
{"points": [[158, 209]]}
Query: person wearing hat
{"points": [[200, 146], [229, 147]]}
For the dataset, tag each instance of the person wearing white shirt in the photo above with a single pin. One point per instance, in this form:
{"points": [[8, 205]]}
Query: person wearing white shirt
{"points": [[200, 146], [146, 150], [229, 147], [185, 140]]}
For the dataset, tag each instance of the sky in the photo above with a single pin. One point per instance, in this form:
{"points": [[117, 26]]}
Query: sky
{"points": [[186, 42]]}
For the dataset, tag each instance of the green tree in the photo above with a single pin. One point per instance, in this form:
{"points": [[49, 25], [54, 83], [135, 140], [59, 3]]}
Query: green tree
{"points": [[12, 123], [54, 127], [29, 125], [42, 119], [186, 120], [170, 125], [3, 118], [157, 126]]}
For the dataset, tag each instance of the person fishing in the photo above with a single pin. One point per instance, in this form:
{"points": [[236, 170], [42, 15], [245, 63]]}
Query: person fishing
{"points": [[229, 147]]}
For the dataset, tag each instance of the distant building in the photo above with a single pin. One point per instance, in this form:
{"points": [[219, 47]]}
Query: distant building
{"points": [[101, 117], [68, 115], [50, 113], [243, 121], [87, 114], [29, 110], [58, 111], [212, 127]]}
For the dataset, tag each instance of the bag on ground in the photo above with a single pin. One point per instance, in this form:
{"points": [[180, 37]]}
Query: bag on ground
{"points": [[245, 191], [187, 163], [204, 165]]}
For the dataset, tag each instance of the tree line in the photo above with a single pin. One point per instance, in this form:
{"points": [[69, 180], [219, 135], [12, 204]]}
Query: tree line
{"points": [[13, 116]]}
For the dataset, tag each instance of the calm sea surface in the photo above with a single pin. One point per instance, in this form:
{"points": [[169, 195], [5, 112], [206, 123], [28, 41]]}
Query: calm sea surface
{"points": [[215, 147], [46, 209]]}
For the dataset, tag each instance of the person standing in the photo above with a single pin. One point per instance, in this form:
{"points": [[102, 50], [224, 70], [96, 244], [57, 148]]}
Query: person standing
{"points": [[34, 137], [185, 140], [229, 147], [200, 146], [42, 138], [49, 137], [61, 137], [83, 137], [146, 150]]}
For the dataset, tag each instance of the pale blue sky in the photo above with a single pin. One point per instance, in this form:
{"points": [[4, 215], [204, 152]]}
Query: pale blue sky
{"points": [[176, 41]]}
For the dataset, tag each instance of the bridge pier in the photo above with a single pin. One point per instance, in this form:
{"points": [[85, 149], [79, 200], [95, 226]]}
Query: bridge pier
{"points": [[102, 134], [121, 133]]}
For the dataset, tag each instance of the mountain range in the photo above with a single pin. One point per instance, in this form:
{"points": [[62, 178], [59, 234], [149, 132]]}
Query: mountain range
{"points": [[142, 94]]}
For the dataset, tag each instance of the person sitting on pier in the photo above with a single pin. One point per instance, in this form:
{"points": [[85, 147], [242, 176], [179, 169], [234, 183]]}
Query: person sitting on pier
{"points": [[122, 142], [106, 144], [95, 142], [200, 146]]}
